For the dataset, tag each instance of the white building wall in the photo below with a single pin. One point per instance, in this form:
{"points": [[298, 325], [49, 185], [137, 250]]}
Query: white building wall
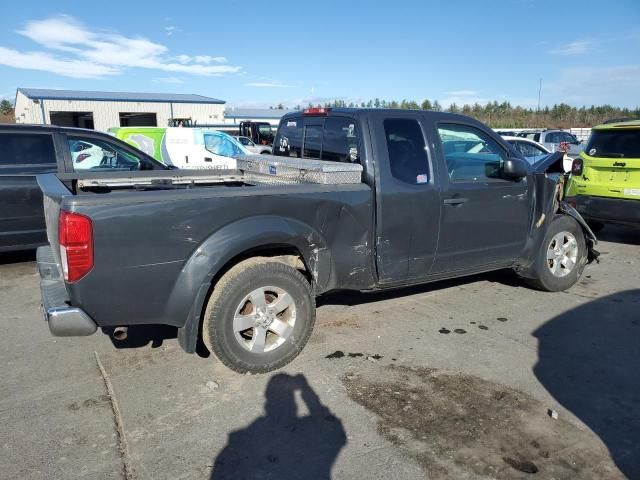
{"points": [[26, 111], [106, 114]]}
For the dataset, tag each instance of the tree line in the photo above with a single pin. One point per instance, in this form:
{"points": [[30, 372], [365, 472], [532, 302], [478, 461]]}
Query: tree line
{"points": [[503, 114]]}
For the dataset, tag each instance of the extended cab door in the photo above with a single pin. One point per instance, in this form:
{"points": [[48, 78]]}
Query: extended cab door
{"points": [[485, 217], [408, 213], [23, 155]]}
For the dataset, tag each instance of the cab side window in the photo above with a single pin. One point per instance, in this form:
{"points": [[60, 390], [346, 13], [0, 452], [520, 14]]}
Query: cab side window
{"points": [[408, 158], [471, 155]]}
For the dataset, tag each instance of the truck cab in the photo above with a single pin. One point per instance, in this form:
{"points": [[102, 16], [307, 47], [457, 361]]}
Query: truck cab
{"points": [[438, 176]]}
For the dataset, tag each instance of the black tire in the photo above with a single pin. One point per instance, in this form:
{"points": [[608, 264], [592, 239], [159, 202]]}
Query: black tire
{"points": [[265, 152], [218, 321], [545, 279], [596, 227]]}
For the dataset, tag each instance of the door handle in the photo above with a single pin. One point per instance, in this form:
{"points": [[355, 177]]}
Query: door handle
{"points": [[455, 201]]}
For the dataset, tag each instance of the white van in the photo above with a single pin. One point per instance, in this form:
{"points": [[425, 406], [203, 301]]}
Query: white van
{"points": [[190, 148]]}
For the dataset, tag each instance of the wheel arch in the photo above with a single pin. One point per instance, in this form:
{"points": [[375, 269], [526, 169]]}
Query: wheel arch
{"points": [[284, 239]]}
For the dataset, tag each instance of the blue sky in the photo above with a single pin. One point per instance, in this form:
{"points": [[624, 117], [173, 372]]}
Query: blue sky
{"points": [[256, 53]]}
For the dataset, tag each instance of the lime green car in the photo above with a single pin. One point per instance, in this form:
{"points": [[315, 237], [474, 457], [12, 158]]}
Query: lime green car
{"points": [[605, 180]]}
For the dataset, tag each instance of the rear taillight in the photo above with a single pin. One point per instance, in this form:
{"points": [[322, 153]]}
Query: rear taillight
{"points": [[75, 235], [576, 167]]}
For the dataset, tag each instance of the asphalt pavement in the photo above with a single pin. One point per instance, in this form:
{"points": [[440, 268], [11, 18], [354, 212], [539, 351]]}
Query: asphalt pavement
{"points": [[474, 378]]}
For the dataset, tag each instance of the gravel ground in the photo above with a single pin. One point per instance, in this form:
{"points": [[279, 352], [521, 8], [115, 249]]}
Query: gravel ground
{"points": [[458, 379]]}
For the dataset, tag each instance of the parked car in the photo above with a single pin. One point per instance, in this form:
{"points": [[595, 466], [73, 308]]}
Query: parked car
{"points": [[253, 148], [555, 140], [506, 133], [605, 180], [534, 151], [29, 150], [183, 147], [237, 263]]}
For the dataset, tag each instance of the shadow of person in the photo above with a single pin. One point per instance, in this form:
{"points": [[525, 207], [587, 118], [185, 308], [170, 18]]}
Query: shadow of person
{"points": [[589, 360], [281, 444]]}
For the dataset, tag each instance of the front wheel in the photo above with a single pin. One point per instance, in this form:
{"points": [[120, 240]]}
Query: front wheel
{"points": [[562, 256], [259, 316]]}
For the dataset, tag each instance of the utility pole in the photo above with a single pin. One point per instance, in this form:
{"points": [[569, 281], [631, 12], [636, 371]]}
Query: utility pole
{"points": [[539, 94]]}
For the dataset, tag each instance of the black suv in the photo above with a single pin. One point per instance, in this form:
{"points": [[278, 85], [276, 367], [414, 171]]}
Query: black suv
{"points": [[29, 150]]}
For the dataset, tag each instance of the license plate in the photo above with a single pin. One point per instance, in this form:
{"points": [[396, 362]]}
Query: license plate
{"points": [[632, 191]]}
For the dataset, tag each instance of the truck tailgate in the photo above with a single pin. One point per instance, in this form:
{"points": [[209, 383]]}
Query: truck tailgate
{"points": [[53, 191]]}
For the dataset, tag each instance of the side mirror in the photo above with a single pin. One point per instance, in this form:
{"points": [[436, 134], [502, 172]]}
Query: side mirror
{"points": [[515, 168]]}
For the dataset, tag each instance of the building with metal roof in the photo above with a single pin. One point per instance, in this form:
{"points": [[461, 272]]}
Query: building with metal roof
{"points": [[103, 110]]}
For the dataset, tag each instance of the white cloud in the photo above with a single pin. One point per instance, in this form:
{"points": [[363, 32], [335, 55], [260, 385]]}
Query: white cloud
{"points": [[617, 85], [267, 85], [184, 59], [207, 59], [174, 80], [169, 30], [95, 54], [573, 48], [44, 62]]}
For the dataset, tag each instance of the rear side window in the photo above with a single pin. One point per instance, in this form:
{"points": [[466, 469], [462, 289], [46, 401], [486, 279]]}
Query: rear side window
{"points": [[26, 149], [407, 154], [471, 154], [333, 138], [289, 140], [614, 144], [340, 141]]}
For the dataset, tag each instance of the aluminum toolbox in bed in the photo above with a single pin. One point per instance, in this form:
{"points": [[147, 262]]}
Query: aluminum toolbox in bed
{"points": [[274, 169]]}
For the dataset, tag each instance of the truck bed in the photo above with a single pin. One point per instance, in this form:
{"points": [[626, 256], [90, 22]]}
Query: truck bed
{"points": [[151, 232]]}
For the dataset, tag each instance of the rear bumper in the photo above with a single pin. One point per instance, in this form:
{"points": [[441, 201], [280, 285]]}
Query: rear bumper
{"points": [[609, 210], [63, 319]]}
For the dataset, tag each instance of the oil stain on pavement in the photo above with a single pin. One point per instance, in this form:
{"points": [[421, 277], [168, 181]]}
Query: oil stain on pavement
{"points": [[461, 426]]}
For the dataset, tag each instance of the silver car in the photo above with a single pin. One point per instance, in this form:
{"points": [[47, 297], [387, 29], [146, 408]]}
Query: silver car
{"points": [[254, 148]]}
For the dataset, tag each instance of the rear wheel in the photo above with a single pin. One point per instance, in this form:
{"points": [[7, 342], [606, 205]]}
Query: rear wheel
{"points": [[259, 316], [561, 257]]}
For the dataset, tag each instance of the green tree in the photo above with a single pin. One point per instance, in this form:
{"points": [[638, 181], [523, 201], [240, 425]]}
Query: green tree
{"points": [[6, 108], [426, 105]]}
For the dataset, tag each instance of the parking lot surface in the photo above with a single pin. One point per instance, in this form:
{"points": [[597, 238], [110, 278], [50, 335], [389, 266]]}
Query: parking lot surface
{"points": [[474, 378]]}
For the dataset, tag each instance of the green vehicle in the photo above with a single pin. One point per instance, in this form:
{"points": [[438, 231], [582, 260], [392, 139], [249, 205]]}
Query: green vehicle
{"points": [[605, 180]]}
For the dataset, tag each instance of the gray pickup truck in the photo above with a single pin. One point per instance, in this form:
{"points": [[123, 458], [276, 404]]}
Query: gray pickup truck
{"points": [[236, 261]]}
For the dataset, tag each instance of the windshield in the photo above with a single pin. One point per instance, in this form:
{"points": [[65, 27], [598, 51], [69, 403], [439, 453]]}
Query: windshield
{"points": [[614, 144], [222, 144]]}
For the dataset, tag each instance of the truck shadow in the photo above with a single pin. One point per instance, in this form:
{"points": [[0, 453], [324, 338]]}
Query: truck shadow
{"points": [[142, 335], [281, 444], [350, 298], [21, 256], [620, 234], [588, 360]]}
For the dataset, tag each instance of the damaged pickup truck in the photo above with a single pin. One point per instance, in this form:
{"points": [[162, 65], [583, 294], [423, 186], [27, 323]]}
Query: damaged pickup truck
{"points": [[352, 200]]}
